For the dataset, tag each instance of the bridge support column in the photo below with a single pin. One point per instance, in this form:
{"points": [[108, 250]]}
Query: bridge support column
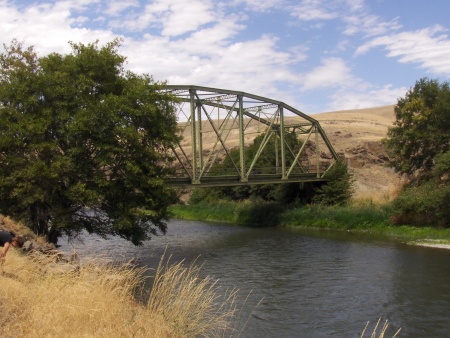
{"points": [[243, 177], [200, 139], [195, 179], [282, 148], [317, 150]]}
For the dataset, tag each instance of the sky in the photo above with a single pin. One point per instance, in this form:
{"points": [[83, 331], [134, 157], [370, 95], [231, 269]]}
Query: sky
{"points": [[315, 55]]}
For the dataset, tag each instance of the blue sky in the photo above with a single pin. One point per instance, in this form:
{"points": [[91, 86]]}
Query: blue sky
{"points": [[316, 55]]}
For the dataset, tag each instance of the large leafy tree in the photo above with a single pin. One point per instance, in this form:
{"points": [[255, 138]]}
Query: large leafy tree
{"points": [[419, 147], [82, 142], [421, 129]]}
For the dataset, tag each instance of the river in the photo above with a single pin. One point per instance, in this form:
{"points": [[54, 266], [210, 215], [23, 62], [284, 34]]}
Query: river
{"points": [[308, 283]]}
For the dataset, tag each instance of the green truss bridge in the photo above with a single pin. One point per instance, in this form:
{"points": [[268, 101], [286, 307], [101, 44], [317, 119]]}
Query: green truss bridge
{"points": [[217, 126]]}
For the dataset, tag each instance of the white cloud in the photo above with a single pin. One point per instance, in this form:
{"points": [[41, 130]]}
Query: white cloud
{"points": [[171, 17], [253, 66], [333, 72], [117, 7], [309, 10], [260, 6], [353, 13], [47, 26], [369, 25], [431, 52], [375, 97], [187, 16]]}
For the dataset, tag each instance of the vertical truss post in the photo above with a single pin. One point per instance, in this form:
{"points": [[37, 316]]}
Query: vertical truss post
{"points": [[282, 148], [200, 137], [317, 151], [241, 139], [193, 137], [277, 164]]}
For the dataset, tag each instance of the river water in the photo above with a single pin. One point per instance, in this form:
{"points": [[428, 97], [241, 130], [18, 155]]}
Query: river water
{"points": [[308, 283]]}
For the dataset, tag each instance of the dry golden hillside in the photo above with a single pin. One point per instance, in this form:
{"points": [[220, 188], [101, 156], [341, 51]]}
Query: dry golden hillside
{"points": [[357, 134]]}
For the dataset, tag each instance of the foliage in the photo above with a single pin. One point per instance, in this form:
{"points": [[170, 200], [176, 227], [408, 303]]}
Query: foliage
{"points": [[204, 195], [422, 128], [419, 147], [339, 186], [350, 216], [82, 142], [427, 203], [252, 213]]}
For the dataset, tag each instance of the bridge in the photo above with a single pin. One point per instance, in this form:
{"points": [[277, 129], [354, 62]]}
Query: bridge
{"points": [[217, 126]]}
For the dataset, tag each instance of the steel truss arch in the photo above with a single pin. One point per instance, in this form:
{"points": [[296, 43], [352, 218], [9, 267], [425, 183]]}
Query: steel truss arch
{"points": [[214, 121]]}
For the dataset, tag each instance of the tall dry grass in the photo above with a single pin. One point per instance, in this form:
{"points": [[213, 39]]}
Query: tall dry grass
{"points": [[379, 331], [377, 196], [42, 298], [190, 302]]}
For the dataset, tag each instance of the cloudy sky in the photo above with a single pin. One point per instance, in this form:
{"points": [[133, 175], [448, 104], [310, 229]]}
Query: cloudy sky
{"points": [[316, 55]]}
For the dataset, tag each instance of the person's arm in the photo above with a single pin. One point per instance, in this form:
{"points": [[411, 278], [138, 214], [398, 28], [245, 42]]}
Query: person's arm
{"points": [[5, 250]]}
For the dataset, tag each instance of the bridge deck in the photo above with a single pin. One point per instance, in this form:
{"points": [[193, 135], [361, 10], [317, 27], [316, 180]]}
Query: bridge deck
{"points": [[234, 180]]}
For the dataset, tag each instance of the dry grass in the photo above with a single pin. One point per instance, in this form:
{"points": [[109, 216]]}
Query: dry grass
{"points": [[42, 298], [382, 332], [377, 196], [190, 302]]}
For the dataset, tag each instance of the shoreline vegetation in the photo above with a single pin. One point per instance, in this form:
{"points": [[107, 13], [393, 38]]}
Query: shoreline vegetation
{"points": [[358, 217], [43, 295]]}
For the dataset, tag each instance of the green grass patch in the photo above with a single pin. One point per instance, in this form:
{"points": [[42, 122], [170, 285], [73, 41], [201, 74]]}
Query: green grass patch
{"points": [[362, 216], [243, 213], [358, 217]]}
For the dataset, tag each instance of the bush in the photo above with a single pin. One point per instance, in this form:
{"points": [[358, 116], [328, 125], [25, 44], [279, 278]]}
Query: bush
{"points": [[204, 195], [427, 204], [339, 187]]}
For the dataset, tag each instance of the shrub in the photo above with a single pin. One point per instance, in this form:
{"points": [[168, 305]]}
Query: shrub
{"points": [[339, 187], [427, 204]]}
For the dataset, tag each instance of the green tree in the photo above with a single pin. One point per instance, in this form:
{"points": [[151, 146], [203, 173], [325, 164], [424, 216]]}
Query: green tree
{"points": [[82, 143], [339, 187], [421, 129]]}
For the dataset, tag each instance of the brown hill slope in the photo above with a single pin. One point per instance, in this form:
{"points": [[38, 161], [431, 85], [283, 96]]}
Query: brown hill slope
{"points": [[357, 134]]}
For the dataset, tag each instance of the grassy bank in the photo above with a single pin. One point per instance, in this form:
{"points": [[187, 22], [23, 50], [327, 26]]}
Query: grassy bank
{"points": [[42, 298], [242, 213], [357, 217]]}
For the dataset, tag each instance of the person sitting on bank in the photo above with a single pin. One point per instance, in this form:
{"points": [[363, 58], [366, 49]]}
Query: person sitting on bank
{"points": [[6, 240]]}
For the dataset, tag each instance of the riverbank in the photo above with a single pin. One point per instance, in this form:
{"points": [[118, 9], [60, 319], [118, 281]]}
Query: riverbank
{"points": [[49, 295], [357, 218]]}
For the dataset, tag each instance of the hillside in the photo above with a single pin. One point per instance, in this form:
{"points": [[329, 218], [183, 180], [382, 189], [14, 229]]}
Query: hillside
{"points": [[357, 134]]}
